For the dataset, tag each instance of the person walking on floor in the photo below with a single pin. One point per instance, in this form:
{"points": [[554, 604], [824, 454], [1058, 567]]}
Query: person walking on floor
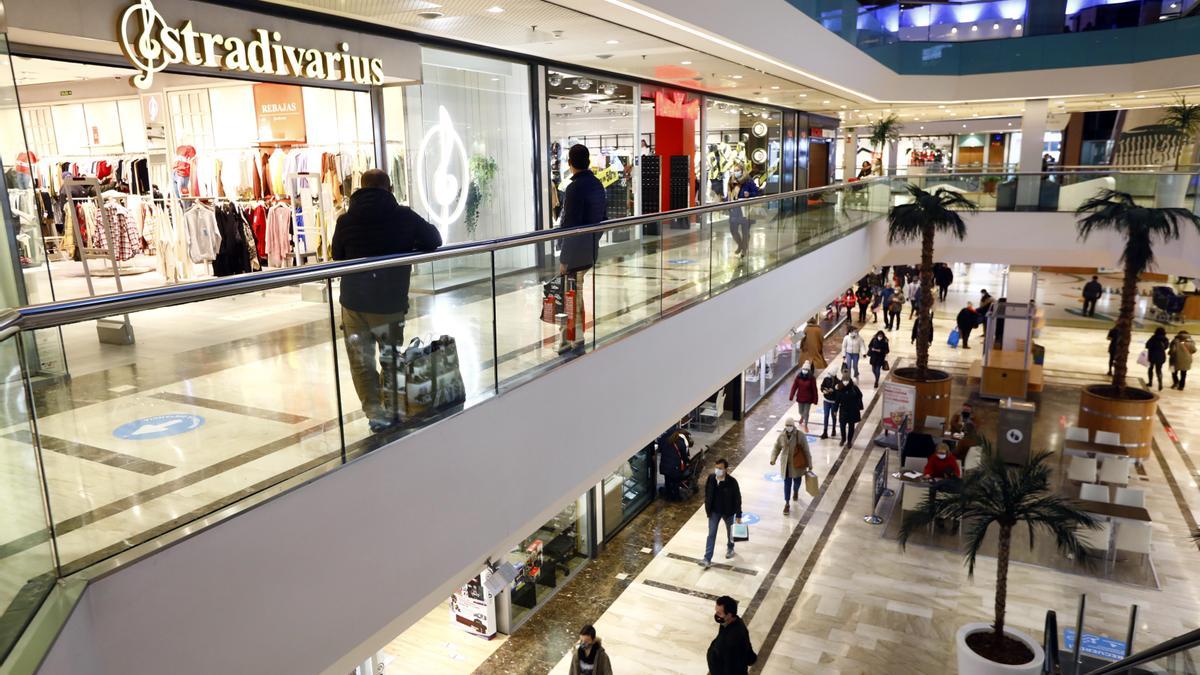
{"points": [[885, 299], [730, 653], [1092, 291], [966, 321], [722, 504], [374, 303], [829, 394], [863, 296], [804, 392], [852, 347], [739, 222], [894, 309], [1181, 350], [812, 345], [1156, 351], [943, 276], [797, 461], [850, 405], [589, 657], [913, 291], [583, 205], [877, 353]]}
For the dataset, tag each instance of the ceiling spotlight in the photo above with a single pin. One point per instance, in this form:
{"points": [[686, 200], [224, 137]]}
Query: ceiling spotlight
{"points": [[583, 83], [803, 95], [974, 28], [942, 106], [775, 86], [736, 77], [608, 88], [844, 106], [430, 15], [964, 126], [825, 102], [686, 63], [1018, 26], [612, 42], [922, 128], [495, 9], [555, 79], [995, 26], [954, 31], [1141, 96]]}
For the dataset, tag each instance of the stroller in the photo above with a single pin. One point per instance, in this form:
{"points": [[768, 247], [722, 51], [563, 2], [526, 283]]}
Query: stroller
{"points": [[681, 469], [1167, 303]]}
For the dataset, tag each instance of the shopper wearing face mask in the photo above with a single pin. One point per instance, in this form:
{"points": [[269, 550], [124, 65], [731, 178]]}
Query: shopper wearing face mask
{"points": [[852, 346], [877, 353], [797, 462], [944, 470], [850, 405], [804, 392], [829, 392], [589, 657], [730, 652], [722, 504]]}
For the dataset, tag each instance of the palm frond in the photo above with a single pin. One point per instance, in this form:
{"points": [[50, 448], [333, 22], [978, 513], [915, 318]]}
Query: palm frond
{"points": [[886, 130], [1182, 117], [939, 210]]}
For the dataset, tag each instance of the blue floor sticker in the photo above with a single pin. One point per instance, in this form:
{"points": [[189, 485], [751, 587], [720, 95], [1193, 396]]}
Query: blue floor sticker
{"points": [[159, 426], [773, 476], [1095, 645], [750, 518]]}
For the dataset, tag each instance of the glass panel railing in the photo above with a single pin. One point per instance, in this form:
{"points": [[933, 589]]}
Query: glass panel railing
{"points": [[1061, 191], [160, 420], [1178, 656], [27, 568]]}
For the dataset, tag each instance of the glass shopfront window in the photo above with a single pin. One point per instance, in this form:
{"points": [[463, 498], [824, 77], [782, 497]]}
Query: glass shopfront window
{"points": [[669, 160], [628, 490], [925, 154], [547, 559], [770, 369], [742, 139], [469, 126]]}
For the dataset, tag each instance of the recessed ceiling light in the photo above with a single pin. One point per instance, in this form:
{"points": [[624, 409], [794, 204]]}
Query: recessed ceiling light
{"points": [[844, 107], [495, 79], [824, 102], [1010, 124], [803, 95], [1141, 96], [1018, 26], [954, 31], [974, 114], [942, 106], [430, 15], [612, 42], [995, 26], [686, 63], [974, 28], [922, 128], [495, 9], [736, 77], [964, 126], [775, 86]]}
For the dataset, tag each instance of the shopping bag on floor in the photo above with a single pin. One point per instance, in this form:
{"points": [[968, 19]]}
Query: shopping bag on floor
{"points": [[811, 484], [953, 339], [448, 387], [741, 532], [552, 300], [1144, 359]]}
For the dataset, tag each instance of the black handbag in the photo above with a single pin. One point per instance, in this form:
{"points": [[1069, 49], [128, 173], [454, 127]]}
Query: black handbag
{"points": [[552, 291], [886, 366]]}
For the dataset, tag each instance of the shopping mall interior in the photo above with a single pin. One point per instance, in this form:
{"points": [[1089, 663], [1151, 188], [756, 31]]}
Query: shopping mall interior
{"points": [[530, 337]]}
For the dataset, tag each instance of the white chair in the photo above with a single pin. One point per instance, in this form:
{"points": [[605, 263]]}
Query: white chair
{"points": [[1078, 434], [710, 412], [1097, 539], [1093, 492], [1108, 437], [935, 421], [915, 463], [1115, 471], [1082, 470], [974, 458], [1130, 497], [1133, 537]]}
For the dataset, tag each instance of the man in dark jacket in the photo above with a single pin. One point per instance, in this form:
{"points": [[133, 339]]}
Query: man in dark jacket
{"points": [[1092, 291], [731, 652], [722, 503], [374, 303], [943, 276], [966, 322], [583, 204]]}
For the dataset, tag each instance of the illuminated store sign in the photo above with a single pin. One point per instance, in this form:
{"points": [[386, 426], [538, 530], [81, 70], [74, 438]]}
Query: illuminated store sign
{"points": [[152, 46], [443, 194], [676, 105]]}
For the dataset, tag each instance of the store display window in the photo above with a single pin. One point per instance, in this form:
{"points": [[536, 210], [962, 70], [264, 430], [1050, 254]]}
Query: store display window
{"points": [[770, 369], [670, 120], [927, 154], [547, 559], [468, 126], [742, 140], [628, 490], [600, 114]]}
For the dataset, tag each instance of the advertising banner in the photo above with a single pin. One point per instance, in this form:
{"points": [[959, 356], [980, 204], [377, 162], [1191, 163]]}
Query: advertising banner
{"points": [[899, 400], [279, 109], [473, 609]]}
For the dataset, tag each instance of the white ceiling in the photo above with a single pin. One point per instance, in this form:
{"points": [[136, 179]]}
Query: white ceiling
{"points": [[44, 71]]}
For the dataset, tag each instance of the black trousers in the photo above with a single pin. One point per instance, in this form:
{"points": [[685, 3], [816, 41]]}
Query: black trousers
{"points": [[862, 313], [1089, 307], [1154, 368], [942, 290], [848, 431], [965, 335], [1178, 378]]}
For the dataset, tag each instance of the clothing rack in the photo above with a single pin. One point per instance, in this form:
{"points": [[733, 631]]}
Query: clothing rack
{"points": [[109, 330]]}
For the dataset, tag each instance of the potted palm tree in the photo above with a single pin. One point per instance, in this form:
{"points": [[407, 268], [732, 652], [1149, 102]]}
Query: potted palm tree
{"points": [[884, 131], [1128, 411], [1182, 119], [1007, 497], [921, 220]]}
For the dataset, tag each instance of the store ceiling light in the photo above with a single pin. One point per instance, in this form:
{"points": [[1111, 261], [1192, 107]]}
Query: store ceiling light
{"points": [[974, 29], [1141, 96], [824, 102], [736, 77], [775, 86], [430, 15], [495, 9], [686, 63], [555, 79], [612, 42], [1018, 27], [954, 31], [583, 83]]}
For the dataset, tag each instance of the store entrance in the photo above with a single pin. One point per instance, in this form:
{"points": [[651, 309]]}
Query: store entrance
{"points": [[193, 178]]}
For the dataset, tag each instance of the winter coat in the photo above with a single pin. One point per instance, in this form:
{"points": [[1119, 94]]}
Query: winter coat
{"points": [[1181, 351], [804, 389], [967, 320], [793, 446], [850, 403], [878, 350], [811, 346], [943, 276], [722, 497], [864, 296], [601, 662], [584, 204], [829, 389], [1092, 290], [1156, 349], [374, 225], [853, 343]]}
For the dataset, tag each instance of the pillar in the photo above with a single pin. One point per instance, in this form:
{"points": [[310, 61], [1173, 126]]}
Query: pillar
{"points": [[1033, 132], [850, 157]]}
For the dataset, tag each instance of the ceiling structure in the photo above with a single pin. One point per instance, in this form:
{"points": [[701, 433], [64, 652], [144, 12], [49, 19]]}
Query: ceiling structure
{"points": [[551, 31]]}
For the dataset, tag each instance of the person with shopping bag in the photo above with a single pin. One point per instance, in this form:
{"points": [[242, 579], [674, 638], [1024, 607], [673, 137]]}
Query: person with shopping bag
{"points": [[792, 444]]}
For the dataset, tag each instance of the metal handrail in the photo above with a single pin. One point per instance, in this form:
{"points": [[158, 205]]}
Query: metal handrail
{"points": [[1158, 651], [83, 309]]}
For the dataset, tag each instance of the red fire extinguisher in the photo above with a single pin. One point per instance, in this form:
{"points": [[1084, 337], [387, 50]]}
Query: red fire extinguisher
{"points": [[569, 308]]}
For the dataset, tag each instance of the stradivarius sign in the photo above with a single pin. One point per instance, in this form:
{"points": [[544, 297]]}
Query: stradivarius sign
{"points": [[152, 45]]}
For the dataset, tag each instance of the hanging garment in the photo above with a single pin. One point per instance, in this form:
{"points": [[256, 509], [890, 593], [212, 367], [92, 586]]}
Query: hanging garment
{"points": [[278, 183], [231, 255], [203, 236], [244, 216], [279, 222], [258, 224], [265, 175]]}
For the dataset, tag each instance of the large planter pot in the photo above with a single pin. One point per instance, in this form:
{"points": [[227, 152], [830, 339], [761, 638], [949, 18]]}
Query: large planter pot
{"points": [[933, 393], [1133, 419], [1171, 191], [970, 663]]}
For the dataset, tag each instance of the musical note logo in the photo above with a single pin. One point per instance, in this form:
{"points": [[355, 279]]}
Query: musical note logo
{"points": [[140, 25], [443, 194]]}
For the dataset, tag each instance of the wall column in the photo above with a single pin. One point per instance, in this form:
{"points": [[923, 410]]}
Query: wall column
{"points": [[1033, 131]]}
